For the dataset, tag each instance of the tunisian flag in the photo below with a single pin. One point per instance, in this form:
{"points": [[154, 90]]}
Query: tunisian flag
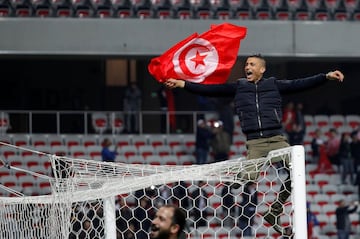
{"points": [[206, 58]]}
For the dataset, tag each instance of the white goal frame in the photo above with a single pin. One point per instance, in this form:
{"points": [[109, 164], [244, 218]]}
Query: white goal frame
{"points": [[162, 174]]}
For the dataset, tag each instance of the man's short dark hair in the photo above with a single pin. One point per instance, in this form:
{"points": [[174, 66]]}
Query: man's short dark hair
{"points": [[178, 218], [259, 56]]}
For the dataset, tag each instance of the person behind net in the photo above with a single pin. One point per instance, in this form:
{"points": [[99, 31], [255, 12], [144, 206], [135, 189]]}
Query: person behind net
{"points": [[258, 104], [108, 155], [169, 223]]}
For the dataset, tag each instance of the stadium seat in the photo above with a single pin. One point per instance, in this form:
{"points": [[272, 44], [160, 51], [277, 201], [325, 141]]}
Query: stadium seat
{"points": [[351, 5], [102, 8], [4, 122], [77, 151], [221, 9], [321, 120], [255, 4], [332, 4], [182, 9], [60, 150], [89, 140], [329, 189], [163, 9], [146, 150], [55, 140], [82, 8], [316, 208], [294, 4], [9, 151], [312, 5], [169, 160], [22, 8], [340, 13], [5, 11], [38, 140], [122, 8], [153, 160], [336, 121], [329, 209], [136, 159], [186, 159], [31, 160], [179, 150], [128, 150], [321, 13], [302, 14], [157, 140], [27, 181], [313, 189], [139, 140], [42, 8], [21, 140], [202, 9], [282, 13], [142, 9], [321, 179], [15, 161], [93, 151], [5, 138], [263, 11], [72, 140], [323, 220], [309, 120], [335, 198], [62, 8], [163, 150], [9, 181], [99, 122], [353, 121], [173, 140]]}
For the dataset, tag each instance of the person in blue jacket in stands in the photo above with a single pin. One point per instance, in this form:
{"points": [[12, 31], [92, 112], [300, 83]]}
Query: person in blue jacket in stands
{"points": [[106, 154]]}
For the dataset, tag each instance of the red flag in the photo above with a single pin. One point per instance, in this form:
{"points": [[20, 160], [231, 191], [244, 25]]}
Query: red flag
{"points": [[206, 58]]}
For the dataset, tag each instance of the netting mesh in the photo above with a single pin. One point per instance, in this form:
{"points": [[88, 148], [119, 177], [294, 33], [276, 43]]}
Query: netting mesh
{"points": [[92, 199]]}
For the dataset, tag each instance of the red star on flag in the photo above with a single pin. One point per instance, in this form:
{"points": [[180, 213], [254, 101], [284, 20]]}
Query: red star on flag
{"points": [[198, 59]]}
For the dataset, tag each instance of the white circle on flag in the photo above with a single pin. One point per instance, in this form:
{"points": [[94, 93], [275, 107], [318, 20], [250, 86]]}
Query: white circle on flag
{"points": [[195, 60]]}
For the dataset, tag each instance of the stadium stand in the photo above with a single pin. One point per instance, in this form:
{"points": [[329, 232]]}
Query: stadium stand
{"points": [[322, 10]]}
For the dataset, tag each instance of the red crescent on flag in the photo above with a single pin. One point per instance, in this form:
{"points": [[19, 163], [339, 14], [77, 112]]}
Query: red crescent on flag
{"points": [[183, 57]]}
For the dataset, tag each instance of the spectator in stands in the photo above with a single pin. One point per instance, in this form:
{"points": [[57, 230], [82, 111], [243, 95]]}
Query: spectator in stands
{"points": [[202, 144], [132, 107], [313, 223], [220, 143], [343, 223], [248, 209], [300, 124], [346, 158], [108, 155], [169, 223], [167, 105], [258, 104], [200, 199], [355, 152], [316, 143], [332, 146], [225, 110], [289, 117]]}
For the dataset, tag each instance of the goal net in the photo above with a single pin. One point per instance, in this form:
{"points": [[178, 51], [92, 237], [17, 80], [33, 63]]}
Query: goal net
{"points": [[92, 199]]}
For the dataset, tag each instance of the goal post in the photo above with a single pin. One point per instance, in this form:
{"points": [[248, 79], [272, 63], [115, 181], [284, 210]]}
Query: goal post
{"points": [[115, 200]]}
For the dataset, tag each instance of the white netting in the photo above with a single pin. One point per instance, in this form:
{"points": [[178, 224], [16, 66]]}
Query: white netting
{"points": [[91, 199]]}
